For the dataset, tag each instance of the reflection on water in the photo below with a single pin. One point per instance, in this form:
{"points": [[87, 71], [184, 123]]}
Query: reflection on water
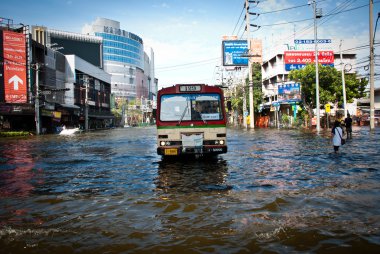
{"points": [[17, 170], [108, 192], [189, 175]]}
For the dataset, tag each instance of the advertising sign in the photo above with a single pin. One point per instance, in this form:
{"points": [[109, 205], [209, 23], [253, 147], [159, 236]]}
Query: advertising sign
{"points": [[14, 54], [295, 60], [311, 41], [289, 92], [235, 53]]}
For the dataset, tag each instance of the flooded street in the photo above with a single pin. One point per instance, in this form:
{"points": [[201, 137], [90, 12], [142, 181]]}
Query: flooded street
{"points": [[275, 191]]}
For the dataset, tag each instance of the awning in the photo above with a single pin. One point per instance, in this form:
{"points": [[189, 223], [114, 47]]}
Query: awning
{"points": [[101, 116], [70, 106]]}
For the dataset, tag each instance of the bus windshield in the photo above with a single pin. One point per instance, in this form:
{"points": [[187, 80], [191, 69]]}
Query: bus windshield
{"points": [[191, 107]]}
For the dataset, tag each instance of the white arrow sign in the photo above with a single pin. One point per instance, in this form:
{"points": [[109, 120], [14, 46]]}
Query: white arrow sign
{"points": [[15, 79]]}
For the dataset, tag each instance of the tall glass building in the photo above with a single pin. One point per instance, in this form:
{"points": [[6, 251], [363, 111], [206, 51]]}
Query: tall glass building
{"points": [[123, 55]]}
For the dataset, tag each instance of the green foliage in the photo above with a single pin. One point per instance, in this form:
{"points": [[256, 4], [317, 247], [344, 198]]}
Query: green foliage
{"points": [[237, 98], [330, 85], [285, 119], [257, 85], [14, 133]]}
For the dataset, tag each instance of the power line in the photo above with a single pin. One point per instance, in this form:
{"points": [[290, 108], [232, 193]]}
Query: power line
{"points": [[285, 9], [238, 20], [324, 16], [335, 11]]}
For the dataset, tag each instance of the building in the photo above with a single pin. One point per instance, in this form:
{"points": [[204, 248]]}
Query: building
{"points": [[63, 78], [88, 94], [124, 58], [276, 66], [87, 47], [71, 65], [16, 97]]}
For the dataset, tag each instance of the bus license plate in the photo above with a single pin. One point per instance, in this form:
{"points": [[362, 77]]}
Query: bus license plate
{"points": [[171, 151]]}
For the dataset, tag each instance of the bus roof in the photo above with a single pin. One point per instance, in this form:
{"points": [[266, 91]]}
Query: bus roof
{"points": [[190, 88]]}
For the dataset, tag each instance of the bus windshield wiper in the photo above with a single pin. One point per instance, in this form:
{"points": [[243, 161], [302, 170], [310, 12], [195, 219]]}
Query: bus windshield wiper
{"points": [[183, 114]]}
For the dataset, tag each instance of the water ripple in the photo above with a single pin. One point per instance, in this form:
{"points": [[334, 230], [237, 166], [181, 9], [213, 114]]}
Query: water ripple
{"points": [[108, 192]]}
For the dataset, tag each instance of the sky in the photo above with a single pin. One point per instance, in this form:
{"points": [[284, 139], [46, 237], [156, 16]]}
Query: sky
{"points": [[186, 36]]}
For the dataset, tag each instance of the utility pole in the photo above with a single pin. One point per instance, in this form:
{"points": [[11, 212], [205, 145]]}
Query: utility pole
{"points": [[37, 101], [250, 84], [86, 105], [244, 107], [371, 68], [343, 81], [316, 66]]}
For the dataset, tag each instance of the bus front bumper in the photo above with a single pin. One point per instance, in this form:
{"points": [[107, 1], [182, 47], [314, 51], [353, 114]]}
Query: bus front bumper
{"points": [[204, 150]]}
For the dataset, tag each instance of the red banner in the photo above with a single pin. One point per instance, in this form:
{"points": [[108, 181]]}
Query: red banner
{"points": [[308, 57], [14, 67]]}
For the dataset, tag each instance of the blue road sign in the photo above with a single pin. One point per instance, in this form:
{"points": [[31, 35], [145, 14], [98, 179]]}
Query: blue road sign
{"points": [[289, 67]]}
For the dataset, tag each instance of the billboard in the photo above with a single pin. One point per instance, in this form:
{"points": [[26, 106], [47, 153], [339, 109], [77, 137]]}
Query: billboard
{"points": [[295, 60], [235, 53], [289, 92], [14, 55]]}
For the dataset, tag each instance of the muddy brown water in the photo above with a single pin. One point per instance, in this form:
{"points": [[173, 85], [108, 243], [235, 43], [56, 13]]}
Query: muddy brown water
{"points": [[275, 191]]}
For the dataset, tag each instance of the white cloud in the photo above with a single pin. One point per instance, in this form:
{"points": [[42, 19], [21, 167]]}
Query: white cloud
{"points": [[165, 5]]}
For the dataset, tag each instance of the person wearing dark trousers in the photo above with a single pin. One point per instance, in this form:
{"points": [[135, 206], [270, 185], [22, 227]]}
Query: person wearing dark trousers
{"points": [[348, 124]]}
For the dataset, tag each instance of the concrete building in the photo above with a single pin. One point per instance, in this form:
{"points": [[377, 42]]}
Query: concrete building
{"points": [[88, 93], [124, 58], [72, 63]]}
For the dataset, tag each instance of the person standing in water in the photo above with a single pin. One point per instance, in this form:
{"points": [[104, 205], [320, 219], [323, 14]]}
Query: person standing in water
{"points": [[348, 124], [337, 133]]}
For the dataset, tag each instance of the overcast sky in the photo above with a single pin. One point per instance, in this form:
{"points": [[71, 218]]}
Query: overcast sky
{"points": [[186, 35]]}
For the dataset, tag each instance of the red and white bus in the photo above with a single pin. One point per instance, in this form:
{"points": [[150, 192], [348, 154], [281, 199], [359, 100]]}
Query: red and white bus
{"points": [[191, 120]]}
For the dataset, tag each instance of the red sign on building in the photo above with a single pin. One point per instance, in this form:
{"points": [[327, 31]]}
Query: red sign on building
{"points": [[295, 60], [14, 54]]}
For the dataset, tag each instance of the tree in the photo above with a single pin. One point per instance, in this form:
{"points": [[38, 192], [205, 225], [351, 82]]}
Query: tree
{"points": [[257, 88], [237, 99], [330, 86]]}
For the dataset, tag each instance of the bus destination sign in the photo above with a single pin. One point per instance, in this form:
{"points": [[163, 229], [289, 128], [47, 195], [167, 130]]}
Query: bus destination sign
{"points": [[190, 88]]}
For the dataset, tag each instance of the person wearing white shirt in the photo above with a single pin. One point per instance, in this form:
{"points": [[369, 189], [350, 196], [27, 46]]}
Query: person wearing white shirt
{"points": [[337, 134]]}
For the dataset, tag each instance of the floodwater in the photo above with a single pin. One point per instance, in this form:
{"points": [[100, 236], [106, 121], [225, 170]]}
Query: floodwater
{"points": [[275, 191]]}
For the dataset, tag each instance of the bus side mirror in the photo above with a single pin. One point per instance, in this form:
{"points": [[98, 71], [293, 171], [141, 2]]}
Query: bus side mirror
{"points": [[229, 105]]}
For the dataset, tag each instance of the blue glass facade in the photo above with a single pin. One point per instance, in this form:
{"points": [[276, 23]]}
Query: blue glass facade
{"points": [[122, 49]]}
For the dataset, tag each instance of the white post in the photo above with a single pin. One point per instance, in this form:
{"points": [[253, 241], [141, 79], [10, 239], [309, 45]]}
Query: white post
{"points": [[343, 81], [250, 83], [316, 66]]}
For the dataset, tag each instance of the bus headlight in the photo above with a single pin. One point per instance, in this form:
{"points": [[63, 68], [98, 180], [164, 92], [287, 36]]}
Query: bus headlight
{"points": [[221, 142], [165, 143]]}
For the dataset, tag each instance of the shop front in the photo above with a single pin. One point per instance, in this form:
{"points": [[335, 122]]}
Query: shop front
{"points": [[17, 117]]}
